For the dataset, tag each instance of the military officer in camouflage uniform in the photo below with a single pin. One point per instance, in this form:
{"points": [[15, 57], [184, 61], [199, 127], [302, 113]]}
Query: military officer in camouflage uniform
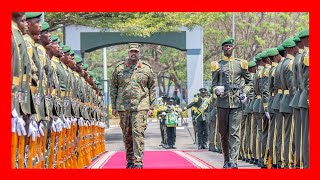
{"points": [[275, 58], [132, 94], [304, 98], [226, 78]]}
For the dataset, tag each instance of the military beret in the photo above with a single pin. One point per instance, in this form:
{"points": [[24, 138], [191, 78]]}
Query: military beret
{"points": [[85, 66], [272, 52], [288, 43], [31, 15], [54, 38], [280, 48], [252, 64], [44, 26], [71, 52], [304, 33], [66, 48], [296, 38], [227, 41], [258, 58], [134, 46], [203, 90], [78, 59], [264, 54], [91, 73]]}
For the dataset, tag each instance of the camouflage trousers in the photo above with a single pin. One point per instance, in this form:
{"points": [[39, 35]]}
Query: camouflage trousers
{"points": [[133, 125]]}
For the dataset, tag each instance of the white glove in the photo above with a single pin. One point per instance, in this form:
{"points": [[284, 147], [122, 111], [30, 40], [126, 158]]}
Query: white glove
{"points": [[67, 123], [268, 115], [219, 90], [20, 127], [53, 126], [179, 110], [32, 131], [59, 125], [80, 121], [243, 98], [41, 126]]}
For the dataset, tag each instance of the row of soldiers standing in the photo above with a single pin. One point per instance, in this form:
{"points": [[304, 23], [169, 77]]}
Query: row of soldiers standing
{"points": [[275, 126], [275, 121], [58, 112]]}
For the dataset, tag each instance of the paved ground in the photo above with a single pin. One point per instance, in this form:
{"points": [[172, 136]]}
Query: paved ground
{"points": [[184, 142]]}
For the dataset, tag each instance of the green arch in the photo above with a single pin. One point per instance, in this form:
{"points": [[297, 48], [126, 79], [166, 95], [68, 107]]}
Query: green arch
{"points": [[90, 41]]}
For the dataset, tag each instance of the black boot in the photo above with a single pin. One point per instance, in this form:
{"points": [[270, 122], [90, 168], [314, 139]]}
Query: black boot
{"points": [[137, 166], [129, 165]]}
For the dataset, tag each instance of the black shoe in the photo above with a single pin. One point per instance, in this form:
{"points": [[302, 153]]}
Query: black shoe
{"points": [[130, 165], [263, 166], [199, 147], [247, 160], [173, 147], [251, 161], [137, 166], [226, 165], [273, 166], [205, 146], [256, 161], [233, 165]]}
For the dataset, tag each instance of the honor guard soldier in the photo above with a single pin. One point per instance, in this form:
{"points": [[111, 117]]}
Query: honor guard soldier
{"points": [[162, 109], [226, 78]]}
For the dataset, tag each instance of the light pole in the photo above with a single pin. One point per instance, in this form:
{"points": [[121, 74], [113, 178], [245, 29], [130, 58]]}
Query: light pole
{"points": [[233, 26]]}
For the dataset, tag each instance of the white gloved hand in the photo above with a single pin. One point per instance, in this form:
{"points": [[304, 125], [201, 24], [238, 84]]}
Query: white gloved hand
{"points": [[14, 119], [59, 125], [32, 132], [268, 115], [21, 130], [80, 121], [41, 126], [219, 90], [67, 123], [179, 110], [243, 98], [53, 126]]}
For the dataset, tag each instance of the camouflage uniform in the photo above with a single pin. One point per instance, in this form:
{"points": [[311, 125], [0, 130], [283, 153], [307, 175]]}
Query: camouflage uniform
{"points": [[132, 92]]}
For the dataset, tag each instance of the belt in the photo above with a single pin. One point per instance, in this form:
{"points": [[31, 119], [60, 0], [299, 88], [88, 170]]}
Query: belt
{"points": [[258, 96], [279, 91], [16, 80], [286, 92]]}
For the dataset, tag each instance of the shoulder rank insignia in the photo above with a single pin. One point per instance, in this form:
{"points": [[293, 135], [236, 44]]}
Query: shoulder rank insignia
{"points": [[214, 66], [266, 72], [244, 64]]}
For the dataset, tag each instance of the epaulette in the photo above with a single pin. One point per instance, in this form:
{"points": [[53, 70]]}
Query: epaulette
{"points": [[266, 72], [214, 66], [143, 62], [290, 65], [243, 63], [260, 74], [196, 99], [306, 60]]}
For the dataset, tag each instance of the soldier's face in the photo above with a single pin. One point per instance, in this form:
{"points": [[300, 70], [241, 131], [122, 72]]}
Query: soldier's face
{"points": [[252, 69], [227, 49], [23, 25], [45, 37], [34, 28], [56, 49], [277, 58], [134, 55]]}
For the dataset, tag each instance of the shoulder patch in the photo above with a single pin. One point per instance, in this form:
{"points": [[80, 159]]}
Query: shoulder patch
{"points": [[306, 60], [244, 64], [214, 66], [196, 99]]}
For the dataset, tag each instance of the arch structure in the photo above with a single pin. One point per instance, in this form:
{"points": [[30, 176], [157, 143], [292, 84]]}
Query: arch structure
{"points": [[187, 40]]}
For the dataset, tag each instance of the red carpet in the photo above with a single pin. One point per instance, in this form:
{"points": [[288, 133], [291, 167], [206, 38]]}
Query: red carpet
{"points": [[152, 160]]}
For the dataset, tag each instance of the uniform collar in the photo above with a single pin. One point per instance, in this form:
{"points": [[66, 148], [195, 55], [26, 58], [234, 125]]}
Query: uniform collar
{"points": [[55, 59], [274, 64], [29, 39], [139, 64], [260, 67], [289, 56], [14, 25], [301, 51], [268, 65], [225, 58]]}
